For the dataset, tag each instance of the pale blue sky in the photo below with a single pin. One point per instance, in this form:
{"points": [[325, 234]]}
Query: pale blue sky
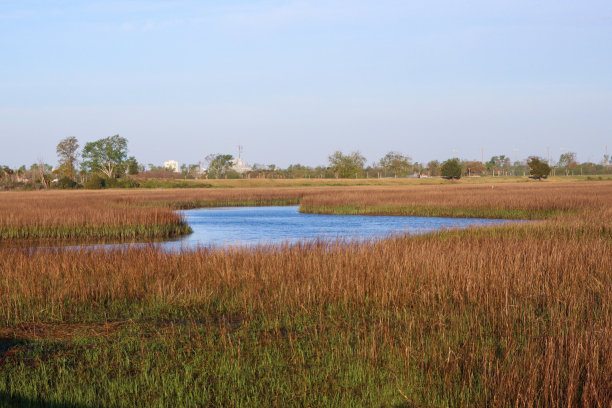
{"points": [[292, 81]]}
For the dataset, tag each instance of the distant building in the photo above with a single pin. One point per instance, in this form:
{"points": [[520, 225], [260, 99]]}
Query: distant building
{"points": [[172, 165], [240, 166]]}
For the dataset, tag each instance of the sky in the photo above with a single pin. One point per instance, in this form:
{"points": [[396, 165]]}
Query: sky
{"points": [[294, 81]]}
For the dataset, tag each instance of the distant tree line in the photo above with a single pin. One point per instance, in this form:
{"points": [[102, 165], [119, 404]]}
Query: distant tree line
{"points": [[104, 163]]}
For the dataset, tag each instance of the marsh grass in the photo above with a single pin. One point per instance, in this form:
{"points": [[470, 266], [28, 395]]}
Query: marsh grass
{"points": [[136, 215], [515, 315], [116, 215], [507, 201]]}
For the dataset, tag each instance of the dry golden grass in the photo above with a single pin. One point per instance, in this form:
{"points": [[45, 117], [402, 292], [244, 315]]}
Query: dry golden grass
{"points": [[524, 313], [116, 214], [148, 214], [518, 200], [517, 315]]}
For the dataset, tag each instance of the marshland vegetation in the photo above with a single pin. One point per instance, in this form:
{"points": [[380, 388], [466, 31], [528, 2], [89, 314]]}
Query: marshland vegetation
{"points": [[516, 315]]}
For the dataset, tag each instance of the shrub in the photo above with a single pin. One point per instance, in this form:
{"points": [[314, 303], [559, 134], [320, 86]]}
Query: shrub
{"points": [[66, 183], [95, 183], [538, 168], [126, 183], [451, 169]]}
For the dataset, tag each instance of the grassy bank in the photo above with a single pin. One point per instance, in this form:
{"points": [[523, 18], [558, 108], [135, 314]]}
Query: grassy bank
{"points": [[484, 317], [322, 182], [506, 201], [116, 215]]}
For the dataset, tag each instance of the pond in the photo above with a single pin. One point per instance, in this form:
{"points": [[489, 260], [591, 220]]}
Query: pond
{"points": [[248, 226]]}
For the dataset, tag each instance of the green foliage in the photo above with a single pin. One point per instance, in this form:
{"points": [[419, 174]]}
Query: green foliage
{"points": [[123, 182], [451, 169], [434, 167], [396, 163], [169, 183], [219, 164], [105, 155], [132, 166], [67, 151], [499, 164], [66, 183], [568, 161], [538, 168], [95, 182], [345, 166]]}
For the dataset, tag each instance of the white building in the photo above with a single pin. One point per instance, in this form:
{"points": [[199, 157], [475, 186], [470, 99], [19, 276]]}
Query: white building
{"points": [[172, 165], [240, 166]]}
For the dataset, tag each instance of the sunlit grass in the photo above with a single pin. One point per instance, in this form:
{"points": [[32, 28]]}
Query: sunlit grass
{"points": [[514, 315]]}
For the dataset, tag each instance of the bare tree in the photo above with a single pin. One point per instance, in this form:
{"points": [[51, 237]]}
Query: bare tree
{"points": [[41, 173]]}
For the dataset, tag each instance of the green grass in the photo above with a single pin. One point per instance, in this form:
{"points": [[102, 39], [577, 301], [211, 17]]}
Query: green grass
{"points": [[214, 357], [193, 204], [91, 233], [433, 211]]}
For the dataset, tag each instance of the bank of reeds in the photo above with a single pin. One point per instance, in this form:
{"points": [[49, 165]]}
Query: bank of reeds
{"points": [[92, 216], [507, 316], [149, 215], [516, 315], [508, 201]]}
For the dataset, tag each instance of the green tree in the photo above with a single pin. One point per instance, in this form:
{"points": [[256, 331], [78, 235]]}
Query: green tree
{"points": [[219, 164], [568, 160], [345, 166], [6, 173], [434, 168], [105, 155], [538, 168], [132, 166], [451, 169], [500, 164], [396, 164], [67, 152]]}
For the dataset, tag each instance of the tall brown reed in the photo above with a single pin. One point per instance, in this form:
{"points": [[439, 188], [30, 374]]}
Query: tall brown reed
{"points": [[527, 319]]}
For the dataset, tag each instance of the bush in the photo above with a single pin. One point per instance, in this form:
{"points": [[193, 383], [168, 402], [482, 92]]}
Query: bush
{"points": [[95, 183], [451, 169], [67, 183], [538, 168], [126, 183]]}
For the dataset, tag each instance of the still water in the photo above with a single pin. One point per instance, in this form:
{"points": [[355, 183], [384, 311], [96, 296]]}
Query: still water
{"points": [[248, 226]]}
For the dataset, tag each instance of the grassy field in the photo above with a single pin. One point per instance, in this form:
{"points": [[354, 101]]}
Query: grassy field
{"points": [[137, 215], [321, 182], [518, 315]]}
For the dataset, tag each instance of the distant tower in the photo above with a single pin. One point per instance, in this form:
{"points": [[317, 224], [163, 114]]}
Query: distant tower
{"points": [[239, 151]]}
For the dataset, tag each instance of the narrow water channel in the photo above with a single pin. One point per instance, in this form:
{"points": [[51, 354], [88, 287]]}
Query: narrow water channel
{"points": [[247, 226], [252, 226]]}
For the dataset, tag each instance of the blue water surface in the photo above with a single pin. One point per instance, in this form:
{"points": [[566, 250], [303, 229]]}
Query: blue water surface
{"points": [[248, 226]]}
